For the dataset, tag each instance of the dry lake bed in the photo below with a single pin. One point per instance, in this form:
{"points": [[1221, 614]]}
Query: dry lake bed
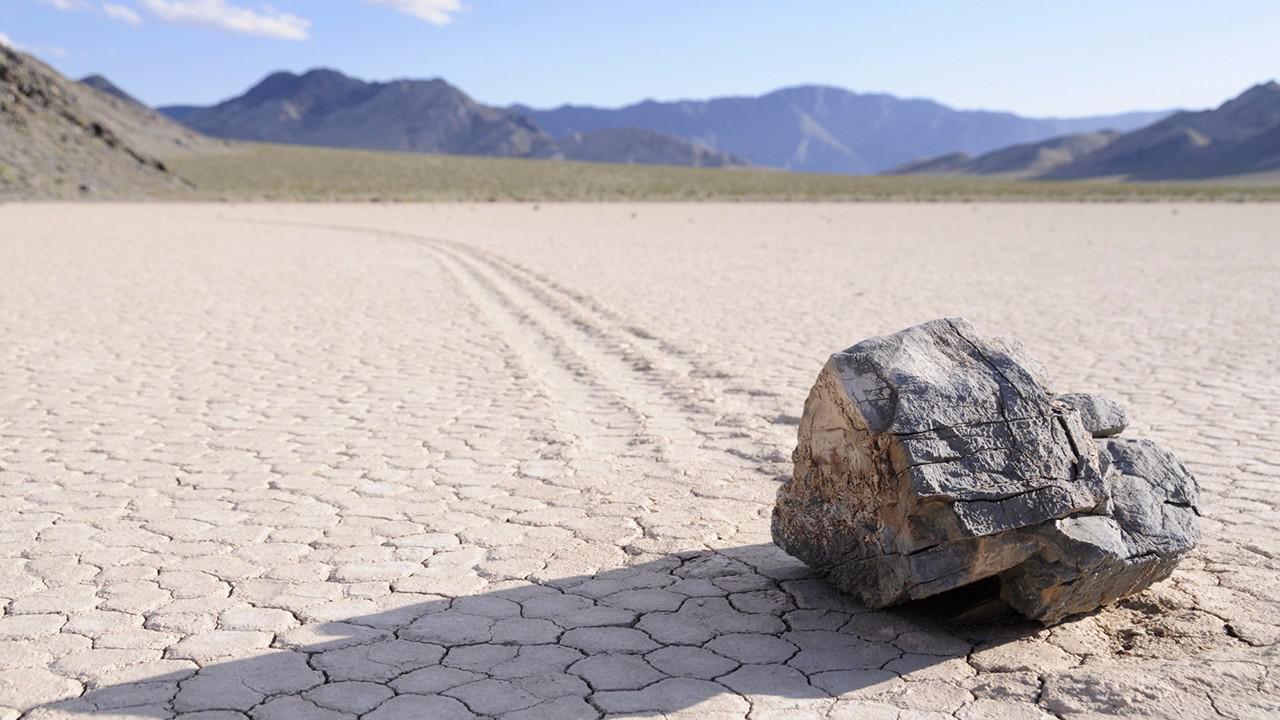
{"points": [[518, 461]]}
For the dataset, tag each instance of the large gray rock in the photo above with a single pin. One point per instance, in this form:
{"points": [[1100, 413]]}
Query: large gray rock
{"points": [[935, 457]]}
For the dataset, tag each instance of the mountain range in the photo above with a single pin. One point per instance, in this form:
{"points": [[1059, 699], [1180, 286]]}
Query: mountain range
{"points": [[60, 138], [814, 128], [1240, 137], [807, 128], [324, 107]]}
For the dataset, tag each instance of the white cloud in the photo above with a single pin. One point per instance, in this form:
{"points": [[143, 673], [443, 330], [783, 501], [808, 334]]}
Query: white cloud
{"points": [[67, 5], [218, 13], [123, 13], [436, 12], [39, 50]]}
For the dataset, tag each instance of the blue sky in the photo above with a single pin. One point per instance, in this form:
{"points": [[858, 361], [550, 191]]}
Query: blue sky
{"points": [[1067, 58]]}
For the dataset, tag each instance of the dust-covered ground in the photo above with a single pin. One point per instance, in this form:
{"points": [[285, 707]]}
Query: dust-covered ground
{"points": [[517, 461]]}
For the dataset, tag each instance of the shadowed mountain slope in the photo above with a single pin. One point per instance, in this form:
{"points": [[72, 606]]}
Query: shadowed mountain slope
{"points": [[643, 147], [325, 107], [826, 129], [949, 164], [1027, 160], [1240, 137]]}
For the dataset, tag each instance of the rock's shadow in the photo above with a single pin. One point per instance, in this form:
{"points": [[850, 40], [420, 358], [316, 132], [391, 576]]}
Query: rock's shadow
{"points": [[693, 629]]}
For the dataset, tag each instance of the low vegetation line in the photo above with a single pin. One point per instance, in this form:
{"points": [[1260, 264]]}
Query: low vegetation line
{"points": [[251, 171]]}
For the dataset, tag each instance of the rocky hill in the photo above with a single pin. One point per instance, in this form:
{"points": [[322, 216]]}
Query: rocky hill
{"points": [[143, 128], [59, 138]]}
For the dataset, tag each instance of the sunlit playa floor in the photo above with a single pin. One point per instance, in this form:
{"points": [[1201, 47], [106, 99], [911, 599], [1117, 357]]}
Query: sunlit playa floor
{"points": [[514, 461]]}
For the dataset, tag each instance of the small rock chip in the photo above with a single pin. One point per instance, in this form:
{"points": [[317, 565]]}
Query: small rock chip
{"points": [[1102, 417]]}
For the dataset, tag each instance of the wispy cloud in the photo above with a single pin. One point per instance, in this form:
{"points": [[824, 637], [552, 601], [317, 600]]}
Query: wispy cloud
{"points": [[436, 12], [267, 22], [41, 50], [123, 13], [67, 5]]}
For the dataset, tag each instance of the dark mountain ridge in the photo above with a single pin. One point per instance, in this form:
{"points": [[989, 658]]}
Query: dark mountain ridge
{"points": [[325, 107], [1025, 160]]}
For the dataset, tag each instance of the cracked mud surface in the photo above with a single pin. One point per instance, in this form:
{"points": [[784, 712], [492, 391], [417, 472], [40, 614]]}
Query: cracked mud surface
{"points": [[504, 461]]}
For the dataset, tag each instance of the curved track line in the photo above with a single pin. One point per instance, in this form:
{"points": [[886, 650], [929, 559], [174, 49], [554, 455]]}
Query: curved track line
{"points": [[679, 402]]}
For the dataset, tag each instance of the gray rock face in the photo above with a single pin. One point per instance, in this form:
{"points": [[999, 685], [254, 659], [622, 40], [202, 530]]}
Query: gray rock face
{"points": [[935, 457], [1101, 416]]}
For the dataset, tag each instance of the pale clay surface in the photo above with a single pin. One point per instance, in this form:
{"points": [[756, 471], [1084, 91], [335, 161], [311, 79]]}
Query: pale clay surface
{"points": [[435, 462]]}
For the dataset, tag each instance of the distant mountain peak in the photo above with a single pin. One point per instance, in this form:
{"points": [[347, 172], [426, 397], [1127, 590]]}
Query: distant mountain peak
{"points": [[324, 73], [1265, 95], [98, 82], [287, 85]]}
